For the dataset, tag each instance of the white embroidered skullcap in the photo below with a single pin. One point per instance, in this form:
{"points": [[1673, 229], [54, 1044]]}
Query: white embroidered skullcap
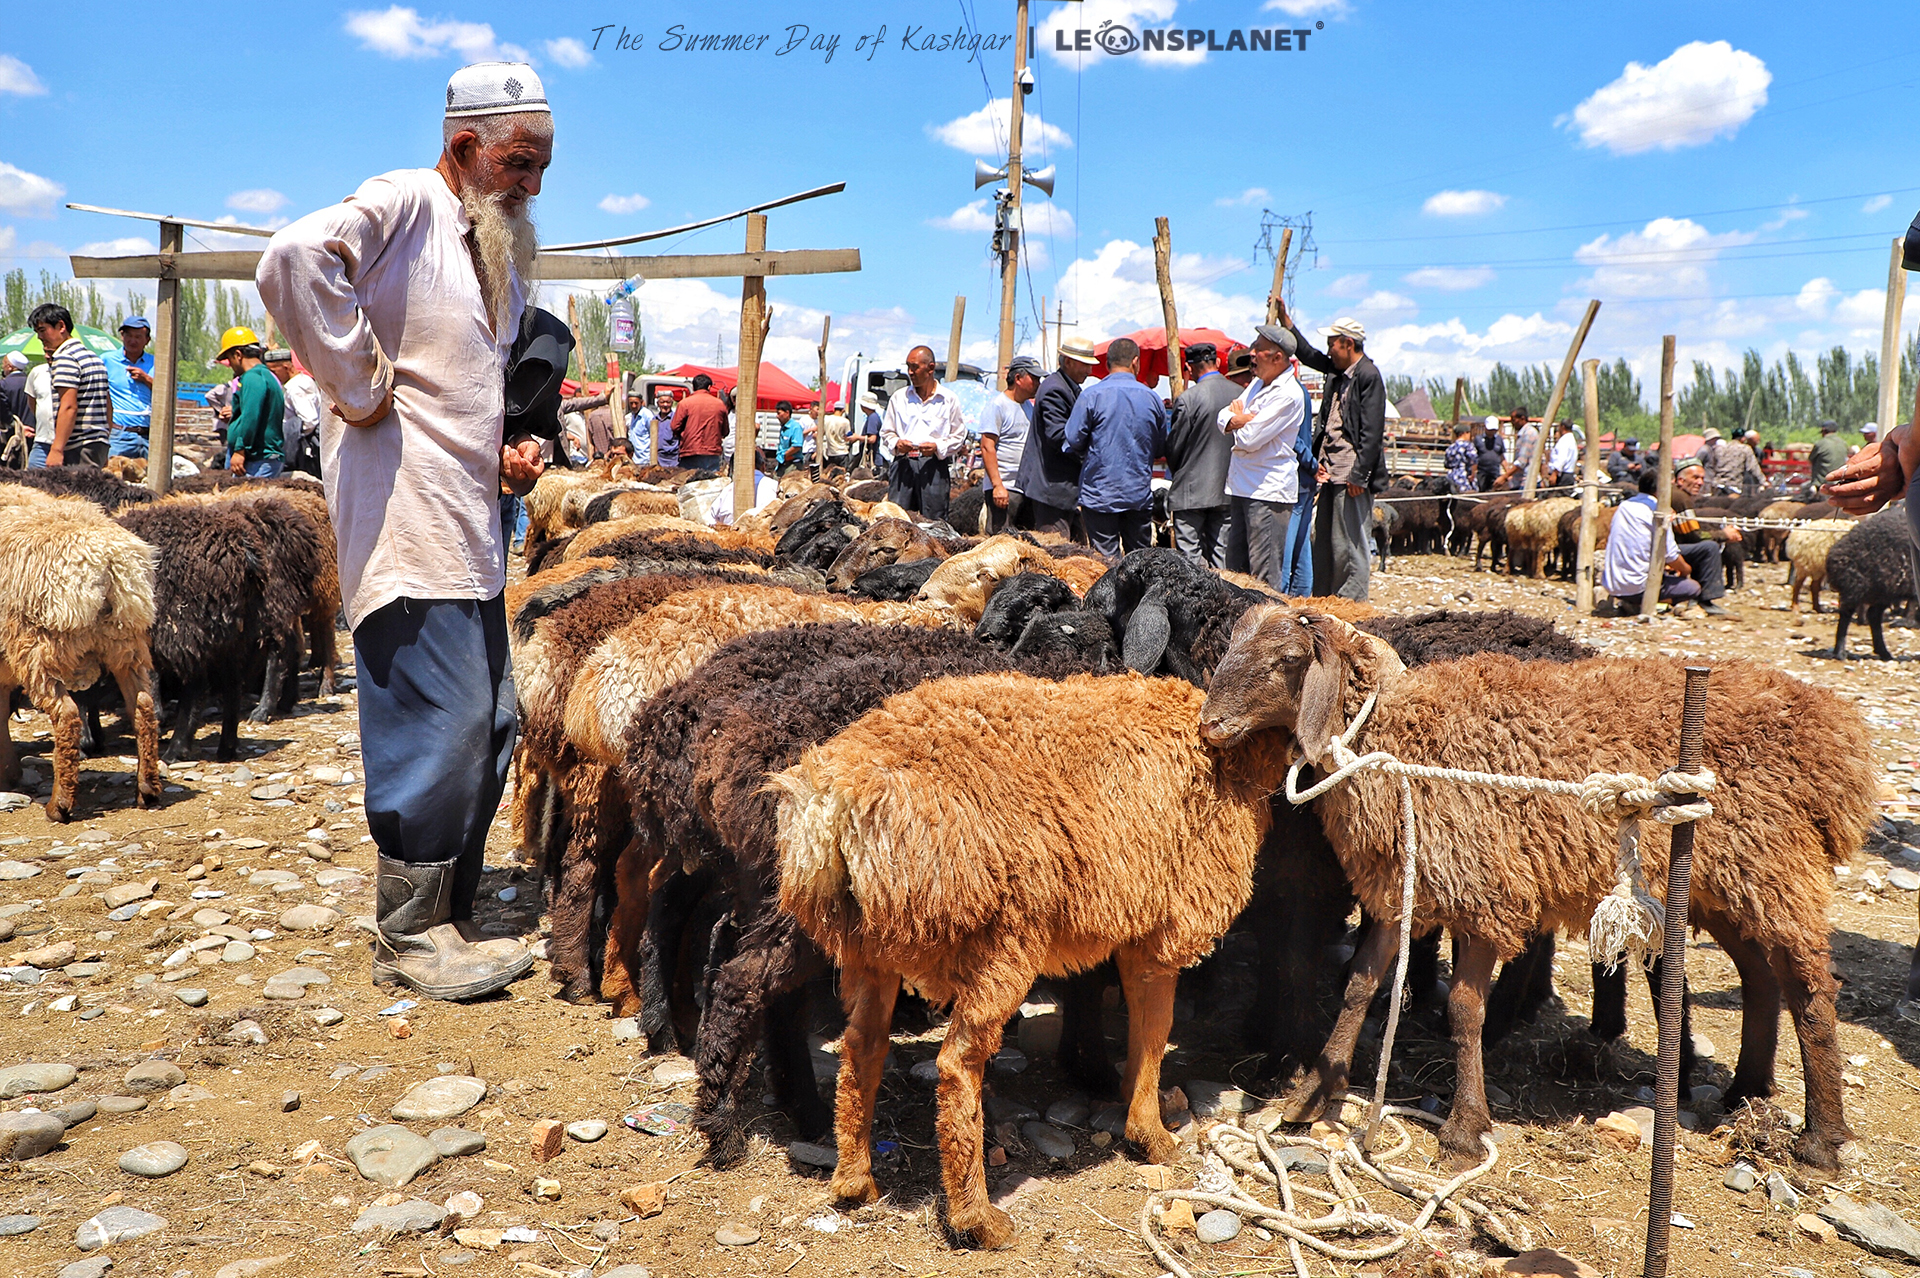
{"points": [[495, 88]]}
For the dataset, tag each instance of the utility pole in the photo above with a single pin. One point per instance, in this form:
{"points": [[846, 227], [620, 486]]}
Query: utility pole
{"points": [[1010, 255]]}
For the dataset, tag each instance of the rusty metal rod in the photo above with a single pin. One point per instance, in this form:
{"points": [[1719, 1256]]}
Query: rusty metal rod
{"points": [[1673, 984]]}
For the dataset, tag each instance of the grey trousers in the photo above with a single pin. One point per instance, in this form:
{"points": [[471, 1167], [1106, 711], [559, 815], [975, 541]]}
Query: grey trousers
{"points": [[1342, 533], [1117, 532], [1201, 536], [1259, 536]]}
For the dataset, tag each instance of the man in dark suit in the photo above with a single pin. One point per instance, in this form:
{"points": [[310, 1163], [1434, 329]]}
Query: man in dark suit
{"points": [[1198, 454], [1049, 473], [1349, 440]]}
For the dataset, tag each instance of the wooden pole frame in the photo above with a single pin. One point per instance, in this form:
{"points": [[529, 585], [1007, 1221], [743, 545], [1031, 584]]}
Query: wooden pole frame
{"points": [[1163, 272], [166, 360], [953, 338], [1274, 300], [1010, 259], [1890, 343], [1553, 404], [1663, 500], [1459, 396], [819, 466], [755, 320], [1589, 479]]}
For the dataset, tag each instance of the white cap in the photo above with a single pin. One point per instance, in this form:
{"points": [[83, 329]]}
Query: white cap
{"points": [[495, 88], [1348, 327], [17, 360], [1871, 428], [1493, 423]]}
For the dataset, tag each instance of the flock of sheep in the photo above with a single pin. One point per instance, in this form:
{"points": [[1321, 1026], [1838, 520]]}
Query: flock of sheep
{"points": [[832, 735]]}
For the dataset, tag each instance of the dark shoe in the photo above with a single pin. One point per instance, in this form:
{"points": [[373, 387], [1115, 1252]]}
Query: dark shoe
{"points": [[1713, 609], [417, 944]]}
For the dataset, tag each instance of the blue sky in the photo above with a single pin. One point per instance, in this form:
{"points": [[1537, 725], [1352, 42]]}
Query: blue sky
{"points": [[1730, 174]]}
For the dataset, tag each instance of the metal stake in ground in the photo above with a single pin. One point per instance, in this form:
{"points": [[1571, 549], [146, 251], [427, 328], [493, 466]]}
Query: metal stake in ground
{"points": [[1673, 977]]}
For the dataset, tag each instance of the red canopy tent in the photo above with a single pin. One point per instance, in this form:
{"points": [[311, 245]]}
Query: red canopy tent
{"points": [[1153, 349], [775, 384]]}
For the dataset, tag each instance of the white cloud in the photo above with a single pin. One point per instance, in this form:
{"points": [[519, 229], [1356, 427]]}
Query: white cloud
{"points": [[1091, 15], [17, 77], [1815, 296], [1451, 279], [1451, 349], [1788, 216], [257, 201], [623, 203], [1114, 292], [1864, 310], [1307, 8], [971, 216], [568, 52], [1669, 256], [399, 32], [1349, 286], [1252, 195], [985, 131], [27, 194], [125, 246], [1877, 203], [7, 235], [1384, 304], [1462, 203], [1700, 92]]}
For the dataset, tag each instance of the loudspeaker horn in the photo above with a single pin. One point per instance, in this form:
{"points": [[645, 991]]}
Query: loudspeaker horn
{"points": [[983, 173], [1042, 178]]}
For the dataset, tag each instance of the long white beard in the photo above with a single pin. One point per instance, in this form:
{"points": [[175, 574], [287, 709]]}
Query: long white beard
{"points": [[505, 244]]}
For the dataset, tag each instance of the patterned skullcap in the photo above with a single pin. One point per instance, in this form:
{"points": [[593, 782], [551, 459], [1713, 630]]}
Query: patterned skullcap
{"points": [[495, 88]]}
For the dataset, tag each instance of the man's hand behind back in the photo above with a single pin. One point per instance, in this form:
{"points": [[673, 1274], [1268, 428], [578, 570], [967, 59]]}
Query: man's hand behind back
{"points": [[521, 466]]}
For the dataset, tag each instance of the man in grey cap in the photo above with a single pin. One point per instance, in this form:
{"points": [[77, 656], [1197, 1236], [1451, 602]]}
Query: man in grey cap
{"points": [[404, 301], [1003, 440], [1350, 443], [1829, 454], [1197, 457]]}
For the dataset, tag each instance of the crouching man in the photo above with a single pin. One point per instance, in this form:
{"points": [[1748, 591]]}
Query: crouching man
{"points": [[1693, 568], [404, 301]]}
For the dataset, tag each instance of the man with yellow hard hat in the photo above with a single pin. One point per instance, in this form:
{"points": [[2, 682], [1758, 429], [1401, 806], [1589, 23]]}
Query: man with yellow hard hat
{"points": [[254, 444]]}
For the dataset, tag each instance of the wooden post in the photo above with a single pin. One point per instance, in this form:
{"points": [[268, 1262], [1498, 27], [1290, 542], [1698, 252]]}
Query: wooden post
{"points": [[1890, 344], [1163, 271], [166, 357], [1663, 499], [1274, 301], [755, 320], [1553, 404], [953, 338], [1059, 325], [1016, 177], [579, 351], [820, 406], [616, 397], [1589, 489], [653, 434], [1043, 330], [1459, 396]]}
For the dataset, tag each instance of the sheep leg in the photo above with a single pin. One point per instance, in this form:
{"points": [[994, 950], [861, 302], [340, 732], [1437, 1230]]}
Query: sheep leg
{"points": [[231, 694], [1687, 1058], [183, 714], [66, 754], [973, 1036], [136, 689], [632, 893], [1807, 980], [1877, 614], [1082, 1054], [1149, 989], [1609, 1002], [1759, 1013], [790, 1064], [1327, 1080], [9, 758], [1467, 1009], [289, 696], [764, 982], [675, 898], [1913, 965], [270, 686], [325, 649], [573, 890], [868, 994], [1517, 996]]}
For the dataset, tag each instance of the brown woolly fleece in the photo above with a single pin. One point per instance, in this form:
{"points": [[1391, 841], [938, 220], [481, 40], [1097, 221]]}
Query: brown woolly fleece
{"points": [[908, 860], [1533, 532], [1795, 797]]}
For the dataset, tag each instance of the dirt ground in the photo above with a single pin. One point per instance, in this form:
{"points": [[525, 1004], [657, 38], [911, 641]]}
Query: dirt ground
{"points": [[255, 1188]]}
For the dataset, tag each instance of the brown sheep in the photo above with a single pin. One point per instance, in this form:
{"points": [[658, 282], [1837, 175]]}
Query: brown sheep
{"points": [[1807, 550], [907, 859], [76, 600], [1795, 797], [886, 541]]}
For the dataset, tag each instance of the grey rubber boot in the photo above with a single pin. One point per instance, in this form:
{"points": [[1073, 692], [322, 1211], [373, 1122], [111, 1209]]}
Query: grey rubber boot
{"points": [[417, 945]]}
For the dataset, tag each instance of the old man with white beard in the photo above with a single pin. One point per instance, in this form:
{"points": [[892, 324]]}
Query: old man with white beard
{"points": [[404, 301]]}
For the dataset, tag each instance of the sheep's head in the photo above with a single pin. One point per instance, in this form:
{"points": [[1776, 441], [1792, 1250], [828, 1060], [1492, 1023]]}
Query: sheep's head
{"points": [[966, 581], [886, 541], [1296, 669]]}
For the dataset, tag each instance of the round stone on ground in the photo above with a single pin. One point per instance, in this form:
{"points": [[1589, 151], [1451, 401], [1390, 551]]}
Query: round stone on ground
{"points": [[154, 1159], [24, 1136], [153, 1076], [587, 1130], [736, 1235], [24, 1080], [438, 1099]]}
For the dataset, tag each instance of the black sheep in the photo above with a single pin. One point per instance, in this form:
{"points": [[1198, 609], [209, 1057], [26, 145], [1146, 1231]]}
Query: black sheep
{"points": [[547, 553], [667, 544], [967, 512], [896, 581], [1083, 636], [1871, 567], [1448, 634], [1171, 617], [1018, 599], [820, 516], [98, 487]]}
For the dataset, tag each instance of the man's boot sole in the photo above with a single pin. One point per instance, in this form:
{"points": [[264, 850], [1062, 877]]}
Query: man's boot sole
{"points": [[393, 974]]}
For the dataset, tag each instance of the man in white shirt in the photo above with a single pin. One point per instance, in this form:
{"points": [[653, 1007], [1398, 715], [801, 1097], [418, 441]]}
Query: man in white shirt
{"points": [[300, 416], [1003, 439], [1263, 479], [404, 301], [1563, 463], [923, 428]]}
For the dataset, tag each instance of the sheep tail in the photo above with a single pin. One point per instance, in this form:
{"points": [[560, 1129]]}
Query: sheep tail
{"points": [[1629, 920], [816, 884]]}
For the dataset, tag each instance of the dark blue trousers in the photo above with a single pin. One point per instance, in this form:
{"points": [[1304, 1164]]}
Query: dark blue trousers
{"points": [[437, 727]]}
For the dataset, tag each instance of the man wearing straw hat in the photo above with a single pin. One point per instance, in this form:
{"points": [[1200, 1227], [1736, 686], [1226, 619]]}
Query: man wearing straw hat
{"points": [[404, 301], [1050, 473]]}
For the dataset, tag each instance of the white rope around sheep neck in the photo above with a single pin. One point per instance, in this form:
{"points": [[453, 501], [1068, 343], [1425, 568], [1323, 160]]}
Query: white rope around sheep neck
{"points": [[1626, 921]]}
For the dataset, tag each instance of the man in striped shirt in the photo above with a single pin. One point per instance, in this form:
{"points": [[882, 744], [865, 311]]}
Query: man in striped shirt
{"points": [[83, 403]]}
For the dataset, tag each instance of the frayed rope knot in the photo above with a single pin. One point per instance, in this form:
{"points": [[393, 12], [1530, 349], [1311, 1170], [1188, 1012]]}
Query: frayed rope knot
{"points": [[1629, 919]]}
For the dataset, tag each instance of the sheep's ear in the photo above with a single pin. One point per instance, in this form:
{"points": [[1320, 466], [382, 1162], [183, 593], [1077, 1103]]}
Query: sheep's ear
{"points": [[1322, 693], [1148, 633]]}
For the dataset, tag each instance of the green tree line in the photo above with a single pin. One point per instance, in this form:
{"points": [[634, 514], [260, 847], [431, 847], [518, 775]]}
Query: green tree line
{"points": [[1784, 402], [207, 309]]}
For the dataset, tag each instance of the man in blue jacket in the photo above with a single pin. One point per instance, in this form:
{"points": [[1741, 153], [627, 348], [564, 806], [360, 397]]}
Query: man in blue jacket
{"points": [[1049, 481], [1118, 428]]}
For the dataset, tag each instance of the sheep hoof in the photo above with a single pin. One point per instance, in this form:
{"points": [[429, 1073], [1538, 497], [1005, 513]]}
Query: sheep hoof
{"points": [[857, 1190], [1156, 1146], [992, 1231], [725, 1145], [1810, 1149], [1309, 1101], [577, 990], [1460, 1145], [58, 813]]}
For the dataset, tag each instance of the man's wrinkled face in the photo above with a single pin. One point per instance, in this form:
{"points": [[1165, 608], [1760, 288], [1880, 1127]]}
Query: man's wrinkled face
{"points": [[510, 171], [1691, 480]]}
